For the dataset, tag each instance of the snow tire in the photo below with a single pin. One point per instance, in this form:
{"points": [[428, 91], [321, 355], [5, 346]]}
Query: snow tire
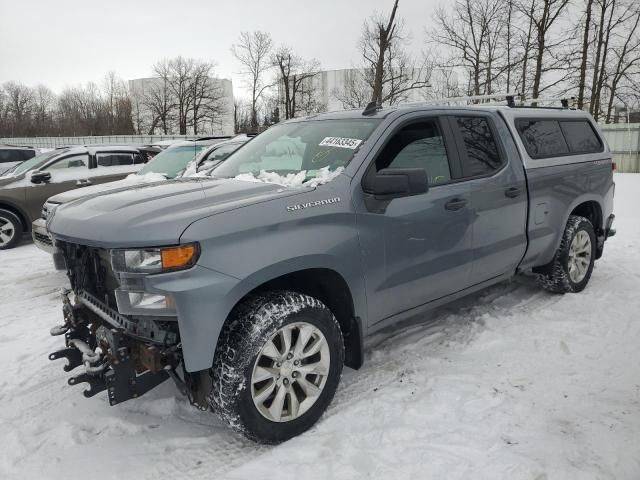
{"points": [[250, 325], [555, 277]]}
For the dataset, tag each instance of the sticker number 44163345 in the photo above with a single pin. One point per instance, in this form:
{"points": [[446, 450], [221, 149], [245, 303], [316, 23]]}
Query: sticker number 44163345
{"points": [[340, 142]]}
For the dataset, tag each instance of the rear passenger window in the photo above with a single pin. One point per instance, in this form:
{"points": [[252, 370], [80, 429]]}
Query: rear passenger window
{"points": [[419, 145], [482, 156], [27, 154], [114, 159], [580, 137]]}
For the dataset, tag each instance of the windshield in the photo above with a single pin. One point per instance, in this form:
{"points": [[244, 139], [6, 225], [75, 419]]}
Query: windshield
{"points": [[172, 161], [295, 153], [33, 162]]}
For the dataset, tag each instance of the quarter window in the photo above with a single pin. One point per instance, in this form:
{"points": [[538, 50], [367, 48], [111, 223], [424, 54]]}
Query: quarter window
{"points": [[419, 145], [580, 137], [482, 156]]}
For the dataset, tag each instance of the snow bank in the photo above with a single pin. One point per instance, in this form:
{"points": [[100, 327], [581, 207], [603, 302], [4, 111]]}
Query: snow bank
{"points": [[318, 177], [511, 383]]}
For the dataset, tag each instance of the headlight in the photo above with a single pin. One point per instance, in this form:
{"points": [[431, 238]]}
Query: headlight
{"points": [[155, 260]]}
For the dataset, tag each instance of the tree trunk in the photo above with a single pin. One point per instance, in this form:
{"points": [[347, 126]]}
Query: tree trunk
{"points": [[584, 52]]}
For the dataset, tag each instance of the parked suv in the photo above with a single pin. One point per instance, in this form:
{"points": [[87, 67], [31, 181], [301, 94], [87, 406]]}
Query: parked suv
{"points": [[24, 191], [175, 161], [252, 288], [10, 156]]}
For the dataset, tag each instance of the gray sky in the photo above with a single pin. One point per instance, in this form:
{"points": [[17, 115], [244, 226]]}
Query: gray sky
{"points": [[67, 42]]}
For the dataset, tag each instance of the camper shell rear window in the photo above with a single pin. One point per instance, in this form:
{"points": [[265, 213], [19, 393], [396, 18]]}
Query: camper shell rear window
{"points": [[548, 138]]}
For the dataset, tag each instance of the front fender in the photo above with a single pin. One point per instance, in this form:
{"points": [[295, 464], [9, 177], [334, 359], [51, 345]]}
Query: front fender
{"points": [[204, 299]]}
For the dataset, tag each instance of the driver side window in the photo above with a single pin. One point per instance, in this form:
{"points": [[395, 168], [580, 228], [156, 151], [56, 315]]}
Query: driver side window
{"points": [[70, 162], [418, 145]]}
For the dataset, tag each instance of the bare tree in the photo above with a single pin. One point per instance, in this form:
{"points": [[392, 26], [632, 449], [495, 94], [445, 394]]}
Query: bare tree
{"points": [[253, 51], [391, 72], [158, 98], [356, 92], [180, 78], [584, 52], [241, 116], [474, 31], [388, 74], [543, 16], [295, 78], [19, 107]]}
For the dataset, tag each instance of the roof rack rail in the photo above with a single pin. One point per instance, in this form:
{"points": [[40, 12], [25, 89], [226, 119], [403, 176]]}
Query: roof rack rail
{"points": [[513, 100]]}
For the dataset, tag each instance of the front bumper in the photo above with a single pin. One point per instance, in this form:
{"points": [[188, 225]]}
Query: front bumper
{"points": [[41, 236], [113, 359]]}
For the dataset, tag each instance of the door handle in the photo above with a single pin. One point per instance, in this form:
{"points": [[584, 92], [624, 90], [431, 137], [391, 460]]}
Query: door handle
{"points": [[512, 192], [455, 204], [85, 182]]}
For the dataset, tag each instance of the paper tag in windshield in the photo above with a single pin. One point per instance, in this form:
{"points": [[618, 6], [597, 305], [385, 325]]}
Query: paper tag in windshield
{"points": [[351, 143]]}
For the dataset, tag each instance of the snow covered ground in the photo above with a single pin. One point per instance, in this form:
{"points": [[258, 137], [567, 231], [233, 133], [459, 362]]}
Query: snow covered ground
{"points": [[510, 383]]}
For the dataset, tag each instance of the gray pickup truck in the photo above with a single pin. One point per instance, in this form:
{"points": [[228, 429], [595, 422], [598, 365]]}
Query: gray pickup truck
{"points": [[252, 288]]}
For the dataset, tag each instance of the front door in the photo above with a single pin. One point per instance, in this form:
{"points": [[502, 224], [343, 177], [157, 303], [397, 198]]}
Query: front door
{"points": [[419, 248], [67, 173]]}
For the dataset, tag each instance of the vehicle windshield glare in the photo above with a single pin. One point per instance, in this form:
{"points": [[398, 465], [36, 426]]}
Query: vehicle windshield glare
{"points": [[295, 153], [172, 161], [32, 163]]}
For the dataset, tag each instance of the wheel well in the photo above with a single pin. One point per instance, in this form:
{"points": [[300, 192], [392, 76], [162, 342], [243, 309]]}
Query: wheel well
{"points": [[17, 213], [593, 212], [331, 289]]}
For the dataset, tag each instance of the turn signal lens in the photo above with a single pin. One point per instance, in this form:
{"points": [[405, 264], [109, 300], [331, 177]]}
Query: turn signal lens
{"points": [[178, 257]]}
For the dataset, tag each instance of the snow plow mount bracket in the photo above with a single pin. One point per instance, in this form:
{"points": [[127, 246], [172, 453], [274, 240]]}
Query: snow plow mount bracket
{"points": [[111, 367]]}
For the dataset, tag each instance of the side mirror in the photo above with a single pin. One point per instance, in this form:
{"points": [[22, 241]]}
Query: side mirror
{"points": [[40, 177], [391, 183]]}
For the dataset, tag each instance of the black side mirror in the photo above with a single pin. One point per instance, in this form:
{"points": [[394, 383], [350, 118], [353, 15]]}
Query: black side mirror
{"points": [[40, 177], [391, 183]]}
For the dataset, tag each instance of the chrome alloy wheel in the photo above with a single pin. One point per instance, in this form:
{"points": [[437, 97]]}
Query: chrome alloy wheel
{"points": [[7, 231], [579, 256], [290, 372]]}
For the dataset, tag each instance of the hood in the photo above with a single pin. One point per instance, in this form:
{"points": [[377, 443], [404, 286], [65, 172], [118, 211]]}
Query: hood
{"points": [[70, 195], [155, 214], [9, 180]]}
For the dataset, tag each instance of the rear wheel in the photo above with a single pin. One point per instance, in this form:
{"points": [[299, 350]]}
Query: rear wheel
{"points": [[10, 230], [572, 264], [277, 366]]}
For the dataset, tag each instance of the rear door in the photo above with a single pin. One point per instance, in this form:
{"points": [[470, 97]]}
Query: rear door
{"points": [[492, 168], [110, 166]]}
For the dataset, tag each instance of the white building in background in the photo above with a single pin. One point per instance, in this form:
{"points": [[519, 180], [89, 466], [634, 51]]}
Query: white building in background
{"points": [[224, 125]]}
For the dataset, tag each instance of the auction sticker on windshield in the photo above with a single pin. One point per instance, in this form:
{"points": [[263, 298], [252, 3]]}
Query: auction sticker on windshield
{"points": [[340, 142]]}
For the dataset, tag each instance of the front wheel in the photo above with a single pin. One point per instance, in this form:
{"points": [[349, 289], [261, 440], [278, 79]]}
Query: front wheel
{"points": [[572, 264], [10, 230], [277, 366]]}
